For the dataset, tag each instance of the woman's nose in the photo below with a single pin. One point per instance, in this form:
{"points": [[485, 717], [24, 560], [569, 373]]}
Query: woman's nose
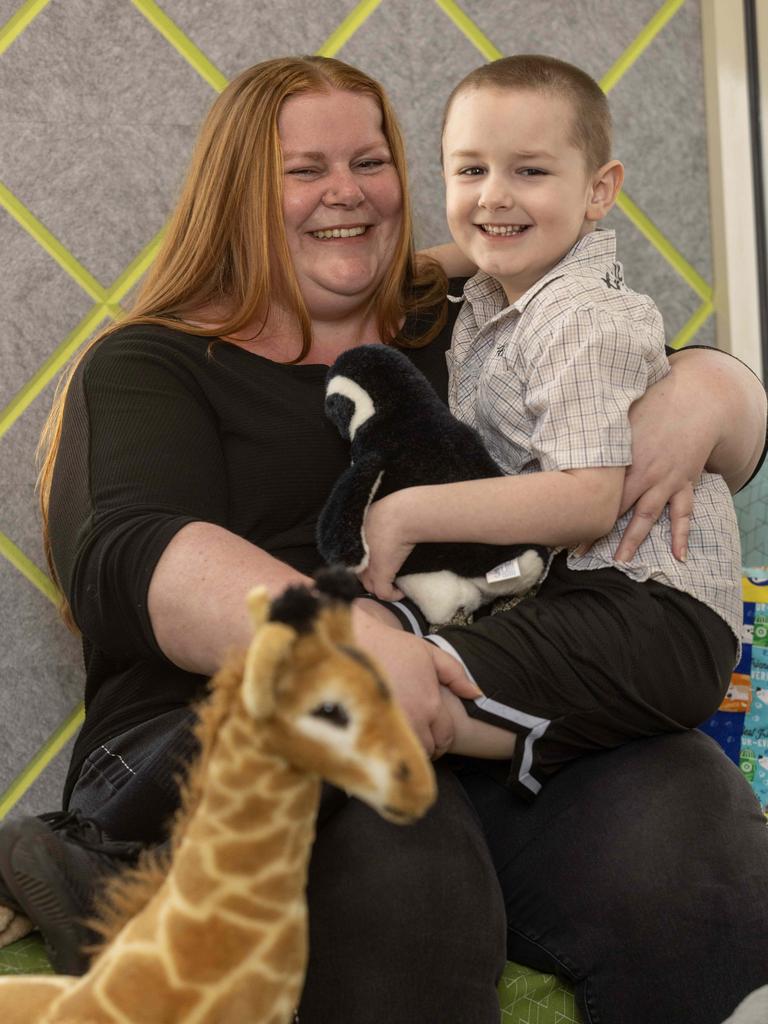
{"points": [[343, 190]]}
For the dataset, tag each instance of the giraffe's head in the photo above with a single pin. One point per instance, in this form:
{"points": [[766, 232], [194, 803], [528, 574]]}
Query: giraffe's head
{"points": [[323, 704]]}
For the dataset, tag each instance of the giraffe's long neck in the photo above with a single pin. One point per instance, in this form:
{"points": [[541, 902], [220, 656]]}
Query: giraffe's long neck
{"points": [[225, 937]]}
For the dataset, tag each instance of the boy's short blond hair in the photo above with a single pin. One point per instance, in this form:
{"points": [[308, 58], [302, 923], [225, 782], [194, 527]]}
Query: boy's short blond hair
{"points": [[592, 122]]}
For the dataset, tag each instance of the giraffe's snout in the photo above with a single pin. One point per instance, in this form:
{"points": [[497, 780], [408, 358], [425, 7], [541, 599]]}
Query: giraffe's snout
{"points": [[411, 788]]}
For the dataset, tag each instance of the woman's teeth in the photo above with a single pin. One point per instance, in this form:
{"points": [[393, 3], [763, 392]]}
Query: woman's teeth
{"points": [[339, 232], [503, 229]]}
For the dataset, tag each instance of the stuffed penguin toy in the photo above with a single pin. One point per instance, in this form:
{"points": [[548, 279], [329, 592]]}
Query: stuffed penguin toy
{"points": [[402, 435]]}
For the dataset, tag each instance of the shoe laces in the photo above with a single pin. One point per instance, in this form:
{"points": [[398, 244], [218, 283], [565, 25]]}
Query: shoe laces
{"points": [[88, 834]]}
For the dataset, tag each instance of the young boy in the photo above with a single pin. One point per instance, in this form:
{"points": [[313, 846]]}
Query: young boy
{"points": [[549, 351]]}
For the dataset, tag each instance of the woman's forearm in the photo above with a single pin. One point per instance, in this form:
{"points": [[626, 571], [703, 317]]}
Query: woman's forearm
{"points": [[198, 612], [196, 597], [734, 400]]}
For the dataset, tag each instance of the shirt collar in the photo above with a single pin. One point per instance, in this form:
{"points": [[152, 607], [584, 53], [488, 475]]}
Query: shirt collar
{"points": [[597, 247]]}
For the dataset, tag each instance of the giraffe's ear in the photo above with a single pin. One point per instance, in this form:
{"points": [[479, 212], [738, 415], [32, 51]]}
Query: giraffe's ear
{"points": [[267, 654], [257, 600]]}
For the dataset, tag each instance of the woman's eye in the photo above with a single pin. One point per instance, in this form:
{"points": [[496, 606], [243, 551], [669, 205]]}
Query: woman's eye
{"points": [[303, 172], [370, 165]]}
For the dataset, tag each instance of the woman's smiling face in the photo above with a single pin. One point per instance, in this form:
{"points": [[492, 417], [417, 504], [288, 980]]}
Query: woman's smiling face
{"points": [[342, 200]]}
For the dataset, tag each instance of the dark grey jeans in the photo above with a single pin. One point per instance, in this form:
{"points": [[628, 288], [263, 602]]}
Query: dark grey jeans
{"points": [[640, 874], [407, 923]]}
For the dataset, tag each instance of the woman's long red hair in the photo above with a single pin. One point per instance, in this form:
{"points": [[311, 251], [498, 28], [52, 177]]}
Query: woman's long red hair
{"points": [[225, 244]]}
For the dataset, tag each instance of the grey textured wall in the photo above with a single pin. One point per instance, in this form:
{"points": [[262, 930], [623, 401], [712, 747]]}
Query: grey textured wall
{"points": [[99, 105]]}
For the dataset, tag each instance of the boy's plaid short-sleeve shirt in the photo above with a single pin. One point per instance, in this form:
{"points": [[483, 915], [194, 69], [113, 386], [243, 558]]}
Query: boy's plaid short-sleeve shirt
{"points": [[548, 382]]}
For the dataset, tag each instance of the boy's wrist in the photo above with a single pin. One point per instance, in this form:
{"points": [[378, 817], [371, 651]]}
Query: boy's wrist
{"points": [[406, 508]]}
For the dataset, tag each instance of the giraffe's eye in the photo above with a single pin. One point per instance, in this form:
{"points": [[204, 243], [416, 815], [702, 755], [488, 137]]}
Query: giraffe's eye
{"points": [[332, 713]]}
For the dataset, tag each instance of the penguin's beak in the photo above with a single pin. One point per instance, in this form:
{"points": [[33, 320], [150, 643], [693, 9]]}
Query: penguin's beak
{"points": [[339, 409]]}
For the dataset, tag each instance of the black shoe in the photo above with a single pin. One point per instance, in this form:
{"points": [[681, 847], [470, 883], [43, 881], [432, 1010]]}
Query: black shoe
{"points": [[6, 899], [52, 868]]}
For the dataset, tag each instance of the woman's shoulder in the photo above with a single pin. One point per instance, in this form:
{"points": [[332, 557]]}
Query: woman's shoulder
{"points": [[157, 340], [430, 358], [144, 351]]}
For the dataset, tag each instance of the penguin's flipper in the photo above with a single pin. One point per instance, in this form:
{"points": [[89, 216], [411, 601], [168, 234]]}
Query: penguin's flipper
{"points": [[340, 537]]}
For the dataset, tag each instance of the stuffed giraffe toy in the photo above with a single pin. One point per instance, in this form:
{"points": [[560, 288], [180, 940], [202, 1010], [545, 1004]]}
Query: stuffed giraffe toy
{"points": [[218, 935]]}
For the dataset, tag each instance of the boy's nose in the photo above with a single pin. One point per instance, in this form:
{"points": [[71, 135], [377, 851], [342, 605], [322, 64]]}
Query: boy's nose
{"points": [[495, 196]]}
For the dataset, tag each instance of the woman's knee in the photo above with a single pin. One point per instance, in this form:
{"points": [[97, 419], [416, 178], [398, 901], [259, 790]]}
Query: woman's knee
{"points": [[384, 898]]}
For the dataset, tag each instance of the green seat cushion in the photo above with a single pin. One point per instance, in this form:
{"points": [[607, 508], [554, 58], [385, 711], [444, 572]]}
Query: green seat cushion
{"points": [[528, 997], [27, 956], [525, 996]]}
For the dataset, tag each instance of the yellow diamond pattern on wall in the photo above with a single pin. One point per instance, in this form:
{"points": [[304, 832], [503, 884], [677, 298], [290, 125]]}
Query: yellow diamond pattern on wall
{"points": [[106, 299]]}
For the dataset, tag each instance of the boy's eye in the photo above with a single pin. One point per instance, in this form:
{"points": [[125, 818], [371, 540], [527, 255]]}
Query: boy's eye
{"points": [[471, 171], [530, 172]]}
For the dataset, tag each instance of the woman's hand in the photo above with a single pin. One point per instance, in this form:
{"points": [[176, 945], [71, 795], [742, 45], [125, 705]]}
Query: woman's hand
{"points": [[387, 546], [412, 674], [671, 442], [470, 736], [708, 412]]}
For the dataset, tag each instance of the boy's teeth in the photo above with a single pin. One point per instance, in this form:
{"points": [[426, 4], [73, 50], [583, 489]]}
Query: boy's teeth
{"points": [[503, 229], [339, 232]]}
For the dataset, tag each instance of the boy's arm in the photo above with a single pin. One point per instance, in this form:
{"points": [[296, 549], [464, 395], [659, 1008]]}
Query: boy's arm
{"points": [[556, 507]]}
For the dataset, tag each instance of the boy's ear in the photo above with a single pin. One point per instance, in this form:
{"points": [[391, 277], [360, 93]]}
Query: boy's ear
{"points": [[606, 185]]}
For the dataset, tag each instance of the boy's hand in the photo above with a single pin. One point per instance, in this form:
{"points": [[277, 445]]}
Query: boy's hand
{"points": [[387, 548]]}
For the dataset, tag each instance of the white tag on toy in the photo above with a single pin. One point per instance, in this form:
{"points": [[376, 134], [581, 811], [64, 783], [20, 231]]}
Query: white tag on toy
{"points": [[506, 571]]}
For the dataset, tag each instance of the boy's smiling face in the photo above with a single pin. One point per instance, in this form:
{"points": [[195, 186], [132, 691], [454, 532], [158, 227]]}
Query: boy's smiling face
{"points": [[519, 194]]}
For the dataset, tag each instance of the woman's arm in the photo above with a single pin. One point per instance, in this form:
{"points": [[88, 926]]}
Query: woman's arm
{"points": [[198, 613], [471, 737], [196, 597], [708, 412], [552, 507], [138, 509], [736, 401]]}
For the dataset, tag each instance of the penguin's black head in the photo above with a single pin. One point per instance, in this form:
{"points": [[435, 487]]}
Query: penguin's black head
{"points": [[371, 380], [348, 400]]}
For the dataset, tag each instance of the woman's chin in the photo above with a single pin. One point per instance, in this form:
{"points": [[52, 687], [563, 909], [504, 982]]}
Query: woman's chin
{"points": [[340, 293]]}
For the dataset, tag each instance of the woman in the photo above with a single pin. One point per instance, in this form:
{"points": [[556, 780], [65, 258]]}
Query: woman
{"points": [[183, 470]]}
